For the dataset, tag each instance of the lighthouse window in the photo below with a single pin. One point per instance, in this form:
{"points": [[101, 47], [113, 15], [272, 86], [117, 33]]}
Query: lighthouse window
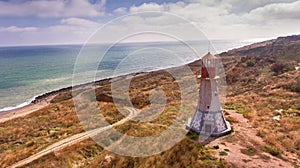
{"points": [[207, 107]]}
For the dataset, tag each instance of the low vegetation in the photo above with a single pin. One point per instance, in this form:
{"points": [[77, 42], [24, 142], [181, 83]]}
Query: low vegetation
{"points": [[261, 85], [223, 153], [25, 136], [268, 89], [279, 68], [297, 87], [240, 108], [272, 151], [249, 151]]}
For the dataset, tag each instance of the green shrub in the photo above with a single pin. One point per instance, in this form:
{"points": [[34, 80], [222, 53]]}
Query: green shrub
{"points": [[272, 151], [240, 108], [250, 63], [279, 68], [223, 153], [249, 151], [216, 147], [192, 135]]}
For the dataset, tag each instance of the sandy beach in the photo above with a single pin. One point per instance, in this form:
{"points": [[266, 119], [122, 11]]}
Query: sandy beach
{"points": [[43, 100], [22, 111]]}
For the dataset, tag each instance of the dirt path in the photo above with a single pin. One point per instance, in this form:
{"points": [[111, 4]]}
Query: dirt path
{"points": [[73, 140], [243, 147]]}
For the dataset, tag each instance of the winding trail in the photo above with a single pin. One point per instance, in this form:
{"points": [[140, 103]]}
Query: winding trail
{"points": [[74, 139]]}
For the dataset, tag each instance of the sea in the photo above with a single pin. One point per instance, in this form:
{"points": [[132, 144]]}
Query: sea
{"points": [[29, 71]]}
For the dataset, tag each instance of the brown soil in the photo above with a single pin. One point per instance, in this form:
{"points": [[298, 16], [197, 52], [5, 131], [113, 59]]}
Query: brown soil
{"points": [[243, 146]]}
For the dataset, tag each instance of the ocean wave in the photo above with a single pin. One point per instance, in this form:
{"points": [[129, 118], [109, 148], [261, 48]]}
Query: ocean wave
{"points": [[20, 105], [74, 85]]}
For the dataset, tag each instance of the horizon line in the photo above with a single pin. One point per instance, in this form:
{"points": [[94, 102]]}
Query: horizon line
{"points": [[254, 40]]}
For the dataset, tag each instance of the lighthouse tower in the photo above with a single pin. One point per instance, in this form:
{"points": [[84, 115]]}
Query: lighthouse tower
{"points": [[208, 119]]}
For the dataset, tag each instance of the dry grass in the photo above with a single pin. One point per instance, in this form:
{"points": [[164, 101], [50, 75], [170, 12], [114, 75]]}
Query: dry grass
{"points": [[253, 91], [267, 95], [25, 136], [184, 154], [88, 154], [81, 154]]}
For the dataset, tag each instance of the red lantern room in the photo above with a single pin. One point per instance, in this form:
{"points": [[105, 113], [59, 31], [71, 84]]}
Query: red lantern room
{"points": [[209, 64]]}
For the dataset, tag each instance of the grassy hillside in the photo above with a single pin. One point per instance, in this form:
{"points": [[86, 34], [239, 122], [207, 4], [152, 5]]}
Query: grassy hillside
{"points": [[262, 83], [266, 80], [27, 135]]}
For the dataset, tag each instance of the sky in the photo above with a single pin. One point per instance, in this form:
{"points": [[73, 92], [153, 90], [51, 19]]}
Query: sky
{"points": [[39, 22]]}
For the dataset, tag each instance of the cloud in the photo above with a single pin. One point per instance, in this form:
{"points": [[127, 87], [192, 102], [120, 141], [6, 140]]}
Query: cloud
{"points": [[238, 6], [69, 31], [230, 19], [14, 29], [121, 10], [277, 11], [80, 22], [52, 8], [146, 7], [218, 19]]}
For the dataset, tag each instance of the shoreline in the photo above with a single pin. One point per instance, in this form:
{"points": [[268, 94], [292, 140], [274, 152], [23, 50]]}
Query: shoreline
{"points": [[36, 100], [42, 100], [27, 109]]}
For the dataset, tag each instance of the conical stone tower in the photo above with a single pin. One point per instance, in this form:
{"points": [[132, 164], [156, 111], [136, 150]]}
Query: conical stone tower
{"points": [[208, 119]]}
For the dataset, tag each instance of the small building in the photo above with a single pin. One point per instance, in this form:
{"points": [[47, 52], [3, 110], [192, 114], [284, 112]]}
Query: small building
{"points": [[208, 120]]}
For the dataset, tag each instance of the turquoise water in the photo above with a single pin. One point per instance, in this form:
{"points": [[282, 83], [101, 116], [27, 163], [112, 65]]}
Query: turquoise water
{"points": [[28, 71]]}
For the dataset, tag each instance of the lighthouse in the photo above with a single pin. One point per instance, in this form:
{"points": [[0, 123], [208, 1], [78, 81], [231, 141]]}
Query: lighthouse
{"points": [[208, 120]]}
